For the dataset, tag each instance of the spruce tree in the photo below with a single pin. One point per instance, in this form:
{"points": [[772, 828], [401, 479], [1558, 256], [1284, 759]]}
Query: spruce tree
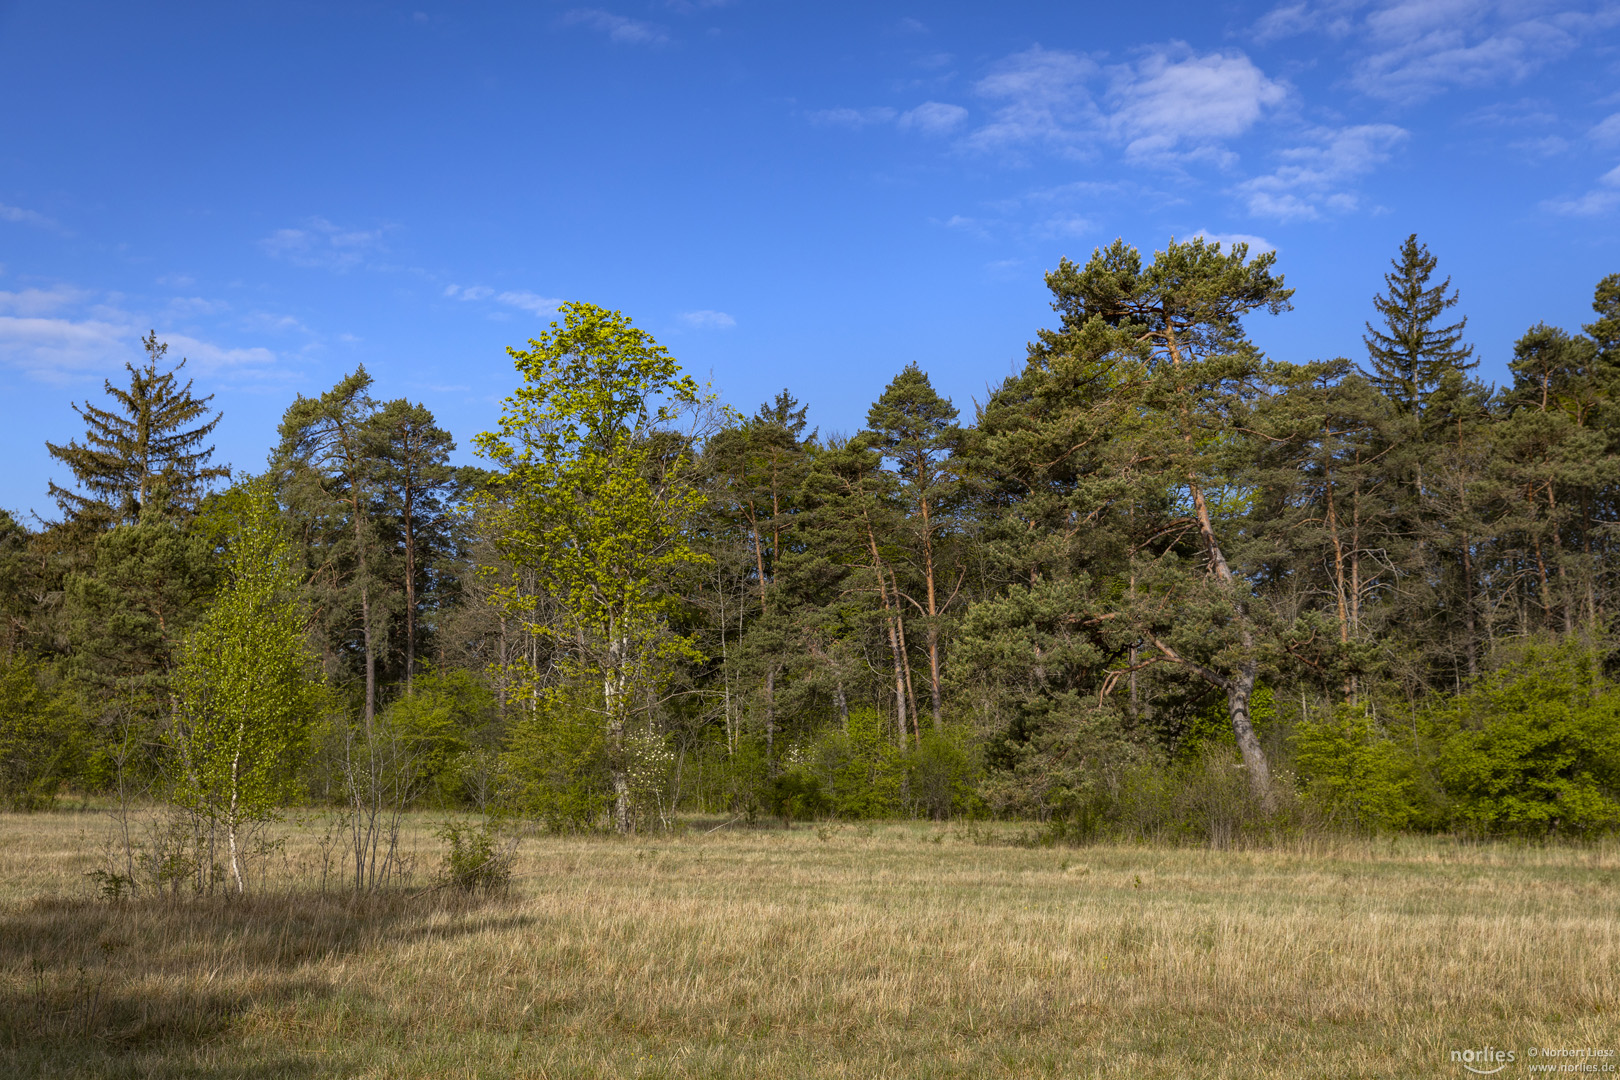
{"points": [[150, 447], [1410, 355]]}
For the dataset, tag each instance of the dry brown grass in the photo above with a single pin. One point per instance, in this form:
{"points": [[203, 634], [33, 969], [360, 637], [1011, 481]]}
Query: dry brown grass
{"points": [[902, 950]]}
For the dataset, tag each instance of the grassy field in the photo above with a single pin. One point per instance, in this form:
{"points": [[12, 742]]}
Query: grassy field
{"points": [[901, 950]]}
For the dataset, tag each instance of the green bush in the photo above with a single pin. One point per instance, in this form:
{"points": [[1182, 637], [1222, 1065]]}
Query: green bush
{"points": [[860, 770], [556, 764], [1355, 774], [941, 775], [1535, 748], [476, 858], [40, 736], [797, 795]]}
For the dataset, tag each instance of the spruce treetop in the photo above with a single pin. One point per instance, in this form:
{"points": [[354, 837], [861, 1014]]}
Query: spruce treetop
{"points": [[149, 449], [1410, 355]]}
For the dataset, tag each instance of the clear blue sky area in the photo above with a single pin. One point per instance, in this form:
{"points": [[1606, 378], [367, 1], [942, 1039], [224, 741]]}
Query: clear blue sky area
{"points": [[806, 195]]}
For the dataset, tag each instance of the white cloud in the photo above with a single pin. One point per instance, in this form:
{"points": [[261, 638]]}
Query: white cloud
{"points": [[1257, 244], [1042, 98], [41, 301], [1600, 200], [530, 302], [25, 217], [58, 350], [934, 117], [618, 28], [196, 305], [852, 118], [1174, 97], [321, 243], [1606, 130], [516, 298], [707, 320], [1171, 104], [1408, 50], [1313, 177], [212, 358]]}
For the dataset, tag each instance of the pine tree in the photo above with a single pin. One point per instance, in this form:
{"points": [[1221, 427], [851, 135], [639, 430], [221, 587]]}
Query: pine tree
{"points": [[146, 449], [916, 429], [1411, 355]]}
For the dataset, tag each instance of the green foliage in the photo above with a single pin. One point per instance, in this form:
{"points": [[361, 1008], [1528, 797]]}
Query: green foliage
{"points": [[149, 458], [861, 770], [592, 503], [1409, 354], [41, 735], [442, 724], [1535, 748], [477, 859], [1353, 772], [244, 698], [556, 763]]}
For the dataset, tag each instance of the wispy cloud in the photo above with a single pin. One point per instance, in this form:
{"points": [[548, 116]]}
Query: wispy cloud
{"points": [[21, 216], [1600, 200], [320, 243], [929, 118], [1042, 99], [1408, 50], [1256, 244], [707, 320], [934, 118], [29, 302], [1175, 100], [521, 299], [533, 303], [852, 118], [1314, 178], [61, 350], [1606, 131], [1171, 104], [618, 28]]}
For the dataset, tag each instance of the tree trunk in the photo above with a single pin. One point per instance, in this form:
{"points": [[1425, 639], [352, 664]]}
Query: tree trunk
{"points": [[410, 589], [613, 700], [1239, 694], [770, 720]]}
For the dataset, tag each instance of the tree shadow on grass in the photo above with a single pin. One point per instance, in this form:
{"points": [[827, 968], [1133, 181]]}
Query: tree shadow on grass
{"points": [[143, 987]]}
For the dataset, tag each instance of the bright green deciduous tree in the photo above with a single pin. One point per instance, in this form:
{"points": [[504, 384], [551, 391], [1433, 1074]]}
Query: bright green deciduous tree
{"points": [[594, 495], [245, 701]]}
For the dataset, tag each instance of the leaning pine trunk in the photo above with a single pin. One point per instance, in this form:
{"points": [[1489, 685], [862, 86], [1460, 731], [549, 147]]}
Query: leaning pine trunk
{"points": [[1239, 694]]}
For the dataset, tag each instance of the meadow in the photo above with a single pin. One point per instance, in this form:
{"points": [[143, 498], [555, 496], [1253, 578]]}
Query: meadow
{"points": [[838, 950]]}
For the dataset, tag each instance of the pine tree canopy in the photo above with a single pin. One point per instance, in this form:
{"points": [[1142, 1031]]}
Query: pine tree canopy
{"points": [[148, 448], [1410, 355]]}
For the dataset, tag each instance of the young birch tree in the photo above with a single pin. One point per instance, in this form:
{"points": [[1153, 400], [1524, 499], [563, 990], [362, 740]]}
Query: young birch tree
{"points": [[593, 498], [244, 702]]}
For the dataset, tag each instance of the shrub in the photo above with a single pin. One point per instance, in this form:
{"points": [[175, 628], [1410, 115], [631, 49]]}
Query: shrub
{"points": [[39, 736], [1534, 748], [1355, 774], [477, 858]]}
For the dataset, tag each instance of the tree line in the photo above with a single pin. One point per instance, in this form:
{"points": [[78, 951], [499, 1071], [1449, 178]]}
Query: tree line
{"points": [[1158, 583]]}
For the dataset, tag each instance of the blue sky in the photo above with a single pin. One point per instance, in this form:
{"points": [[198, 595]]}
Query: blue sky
{"points": [[800, 195]]}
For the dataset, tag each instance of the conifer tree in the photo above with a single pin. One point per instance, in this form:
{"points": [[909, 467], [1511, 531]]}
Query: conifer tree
{"points": [[1409, 354], [151, 444], [916, 429]]}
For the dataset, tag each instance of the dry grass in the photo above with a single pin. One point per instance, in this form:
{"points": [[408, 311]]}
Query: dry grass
{"points": [[903, 950]]}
